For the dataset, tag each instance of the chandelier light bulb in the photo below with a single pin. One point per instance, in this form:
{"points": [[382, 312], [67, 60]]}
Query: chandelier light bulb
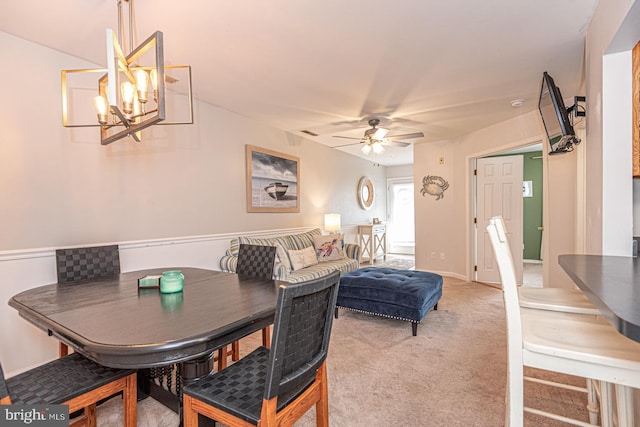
{"points": [[366, 149], [101, 107], [127, 97], [154, 83], [142, 83]]}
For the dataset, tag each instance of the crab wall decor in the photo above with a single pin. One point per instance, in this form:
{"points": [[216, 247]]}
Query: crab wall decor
{"points": [[434, 185]]}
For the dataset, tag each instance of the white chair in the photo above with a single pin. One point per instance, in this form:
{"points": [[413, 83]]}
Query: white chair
{"points": [[567, 343], [566, 301], [555, 299]]}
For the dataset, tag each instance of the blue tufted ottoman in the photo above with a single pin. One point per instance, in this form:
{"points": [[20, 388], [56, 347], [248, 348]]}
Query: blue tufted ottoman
{"points": [[399, 294]]}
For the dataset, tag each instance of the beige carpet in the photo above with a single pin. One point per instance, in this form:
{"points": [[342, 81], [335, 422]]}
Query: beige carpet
{"points": [[452, 374]]}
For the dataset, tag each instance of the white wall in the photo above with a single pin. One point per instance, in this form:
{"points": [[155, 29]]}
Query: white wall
{"points": [[604, 213], [63, 188], [174, 199], [402, 171], [609, 198], [617, 181], [446, 225]]}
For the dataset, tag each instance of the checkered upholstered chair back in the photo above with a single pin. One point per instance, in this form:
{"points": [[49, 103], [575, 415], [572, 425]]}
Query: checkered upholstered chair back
{"points": [[276, 386], [256, 261], [301, 332], [90, 263]]}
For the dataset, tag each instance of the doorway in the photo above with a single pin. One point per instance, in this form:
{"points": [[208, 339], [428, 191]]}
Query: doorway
{"points": [[400, 216], [521, 207]]}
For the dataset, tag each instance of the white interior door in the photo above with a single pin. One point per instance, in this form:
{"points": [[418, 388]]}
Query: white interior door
{"points": [[499, 192], [400, 216]]}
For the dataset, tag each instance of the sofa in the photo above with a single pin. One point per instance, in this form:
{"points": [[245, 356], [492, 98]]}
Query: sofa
{"points": [[291, 249]]}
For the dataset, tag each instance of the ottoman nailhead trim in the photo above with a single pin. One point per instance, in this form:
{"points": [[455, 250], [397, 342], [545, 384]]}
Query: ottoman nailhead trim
{"points": [[379, 314]]}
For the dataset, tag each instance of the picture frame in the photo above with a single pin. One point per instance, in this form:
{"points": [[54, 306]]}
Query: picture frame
{"points": [[272, 181]]}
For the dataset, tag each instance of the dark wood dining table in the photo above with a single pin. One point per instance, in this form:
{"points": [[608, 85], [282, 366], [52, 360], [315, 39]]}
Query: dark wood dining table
{"points": [[115, 324], [612, 283]]}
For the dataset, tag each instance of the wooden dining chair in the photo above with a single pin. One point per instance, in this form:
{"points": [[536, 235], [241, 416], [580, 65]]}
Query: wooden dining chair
{"points": [[253, 261], [87, 263], [568, 343], [75, 381], [275, 387]]}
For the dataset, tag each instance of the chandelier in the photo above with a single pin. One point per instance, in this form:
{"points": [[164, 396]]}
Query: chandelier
{"points": [[132, 92]]}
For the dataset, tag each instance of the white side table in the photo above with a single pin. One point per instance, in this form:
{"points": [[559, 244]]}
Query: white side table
{"points": [[372, 239]]}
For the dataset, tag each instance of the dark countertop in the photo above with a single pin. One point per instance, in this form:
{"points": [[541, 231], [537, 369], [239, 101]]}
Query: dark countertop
{"points": [[612, 283]]}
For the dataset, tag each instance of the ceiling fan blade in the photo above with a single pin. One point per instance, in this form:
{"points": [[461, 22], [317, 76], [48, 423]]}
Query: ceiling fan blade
{"points": [[347, 137], [396, 144], [406, 136], [347, 145]]}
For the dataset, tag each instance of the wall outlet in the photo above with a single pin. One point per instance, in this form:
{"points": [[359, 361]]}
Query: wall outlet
{"points": [[442, 256], [433, 255]]}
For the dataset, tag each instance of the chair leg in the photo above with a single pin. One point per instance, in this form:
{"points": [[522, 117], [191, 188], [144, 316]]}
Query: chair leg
{"points": [[189, 415], [130, 401], [222, 358], [322, 407], [91, 414], [266, 337], [592, 401], [606, 404], [235, 351], [268, 414], [514, 400], [128, 387], [624, 405]]}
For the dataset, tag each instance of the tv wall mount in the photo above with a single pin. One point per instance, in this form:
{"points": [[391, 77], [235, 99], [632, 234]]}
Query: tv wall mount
{"points": [[577, 109]]}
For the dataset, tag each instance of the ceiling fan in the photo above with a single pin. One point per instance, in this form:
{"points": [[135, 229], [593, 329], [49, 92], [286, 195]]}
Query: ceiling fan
{"points": [[376, 137]]}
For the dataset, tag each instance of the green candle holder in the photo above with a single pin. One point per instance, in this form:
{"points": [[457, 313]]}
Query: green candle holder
{"points": [[172, 281]]}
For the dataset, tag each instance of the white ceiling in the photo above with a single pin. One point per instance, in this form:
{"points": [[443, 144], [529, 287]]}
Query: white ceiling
{"points": [[445, 68]]}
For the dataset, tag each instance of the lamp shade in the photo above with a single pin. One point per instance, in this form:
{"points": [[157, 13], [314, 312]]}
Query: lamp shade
{"points": [[332, 222]]}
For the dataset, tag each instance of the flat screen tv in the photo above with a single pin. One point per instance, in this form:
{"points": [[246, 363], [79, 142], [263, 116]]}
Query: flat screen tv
{"points": [[556, 119]]}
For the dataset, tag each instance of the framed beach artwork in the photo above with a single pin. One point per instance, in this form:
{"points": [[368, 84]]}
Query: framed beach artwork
{"points": [[273, 181]]}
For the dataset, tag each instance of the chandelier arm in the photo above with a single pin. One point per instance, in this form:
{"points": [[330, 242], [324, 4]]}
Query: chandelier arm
{"points": [[120, 35], [130, 25], [126, 122]]}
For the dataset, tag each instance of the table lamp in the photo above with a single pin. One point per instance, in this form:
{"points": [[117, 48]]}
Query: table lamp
{"points": [[332, 222]]}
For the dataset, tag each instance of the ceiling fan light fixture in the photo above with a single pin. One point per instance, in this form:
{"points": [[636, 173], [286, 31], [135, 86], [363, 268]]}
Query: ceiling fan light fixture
{"points": [[366, 149], [375, 133], [378, 148], [380, 133]]}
